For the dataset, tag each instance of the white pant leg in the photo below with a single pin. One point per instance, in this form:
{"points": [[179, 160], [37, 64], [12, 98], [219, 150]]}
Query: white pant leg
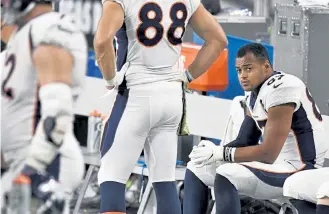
{"points": [[166, 110], [72, 167], [124, 135], [323, 191], [257, 180], [69, 167], [206, 173], [160, 156], [304, 185]]}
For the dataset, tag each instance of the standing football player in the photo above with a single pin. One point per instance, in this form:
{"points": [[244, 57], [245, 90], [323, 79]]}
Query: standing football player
{"points": [[149, 103], [45, 65], [6, 31]]}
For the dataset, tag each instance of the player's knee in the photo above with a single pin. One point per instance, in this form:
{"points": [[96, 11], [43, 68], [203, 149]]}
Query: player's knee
{"points": [[323, 193], [230, 172], [191, 167], [292, 186], [109, 170], [205, 173]]}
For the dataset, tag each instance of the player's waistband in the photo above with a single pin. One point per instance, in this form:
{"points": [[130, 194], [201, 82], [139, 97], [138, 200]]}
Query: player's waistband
{"points": [[158, 87]]}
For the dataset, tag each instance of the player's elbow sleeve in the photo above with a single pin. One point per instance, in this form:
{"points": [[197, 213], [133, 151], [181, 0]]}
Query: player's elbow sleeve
{"points": [[56, 110], [56, 102], [249, 134]]}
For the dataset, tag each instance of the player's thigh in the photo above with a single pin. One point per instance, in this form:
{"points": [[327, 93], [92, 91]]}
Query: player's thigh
{"points": [[123, 137], [304, 185], [255, 179], [161, 154], [166, 114], [206, 173]]}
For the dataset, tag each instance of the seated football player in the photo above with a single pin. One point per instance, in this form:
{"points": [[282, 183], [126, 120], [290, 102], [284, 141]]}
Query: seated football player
{"points": [[280, 109]]}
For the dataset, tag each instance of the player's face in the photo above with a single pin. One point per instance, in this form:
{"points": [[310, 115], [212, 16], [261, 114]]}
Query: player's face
{"points": [[251, 71]]}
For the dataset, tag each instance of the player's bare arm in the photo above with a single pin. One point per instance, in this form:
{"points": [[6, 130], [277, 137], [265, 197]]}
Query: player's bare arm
{"points": [[206, 26], [110, 22], [276, 131], [246, 148]]}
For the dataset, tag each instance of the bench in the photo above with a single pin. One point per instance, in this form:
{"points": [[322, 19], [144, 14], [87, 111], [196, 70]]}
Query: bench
{"points": [[211, 124]]}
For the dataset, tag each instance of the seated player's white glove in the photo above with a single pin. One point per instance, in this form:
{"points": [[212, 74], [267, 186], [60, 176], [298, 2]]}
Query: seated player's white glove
{"points": [[206, 153]]}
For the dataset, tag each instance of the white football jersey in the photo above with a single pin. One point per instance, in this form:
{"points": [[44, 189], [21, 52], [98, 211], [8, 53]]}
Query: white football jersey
{"points": [[149, 42], [235, 120], [19, 100], [2, 60], [306, 141]]}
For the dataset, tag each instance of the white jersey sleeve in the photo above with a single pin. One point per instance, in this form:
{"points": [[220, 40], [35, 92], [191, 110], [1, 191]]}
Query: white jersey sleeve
{"points": [[282, 89], [194, 5], [2, 59], [123, 3], [65, 34]]}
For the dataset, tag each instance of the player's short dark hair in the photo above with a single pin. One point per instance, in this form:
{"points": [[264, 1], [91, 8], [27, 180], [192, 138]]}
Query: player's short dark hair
{"points": [[258, 50]]}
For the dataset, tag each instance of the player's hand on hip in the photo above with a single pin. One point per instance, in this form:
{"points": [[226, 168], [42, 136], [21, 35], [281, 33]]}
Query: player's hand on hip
{"points": [[116, 81], [111, 84], [206, 153]]}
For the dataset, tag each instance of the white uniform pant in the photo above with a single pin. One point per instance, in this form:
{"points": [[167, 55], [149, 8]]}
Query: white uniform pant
{"points": [[143, 117], [308, 185], [68, 167], [253, 179]]}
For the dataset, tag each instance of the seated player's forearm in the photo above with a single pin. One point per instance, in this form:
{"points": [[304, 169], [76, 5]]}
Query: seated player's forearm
{"points": [[253, 153], [206, 57], [105, 58]]}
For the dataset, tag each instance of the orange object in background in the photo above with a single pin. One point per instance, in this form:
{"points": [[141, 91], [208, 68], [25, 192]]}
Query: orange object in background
{"points": [[215, 78], [22, 179]]}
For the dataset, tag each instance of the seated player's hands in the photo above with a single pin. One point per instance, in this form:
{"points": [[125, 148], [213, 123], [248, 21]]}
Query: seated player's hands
{"points": [[206, 153]]}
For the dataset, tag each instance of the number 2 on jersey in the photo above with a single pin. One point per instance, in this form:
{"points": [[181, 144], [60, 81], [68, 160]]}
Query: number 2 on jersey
{"points": [[151, 16], [10, 61]]}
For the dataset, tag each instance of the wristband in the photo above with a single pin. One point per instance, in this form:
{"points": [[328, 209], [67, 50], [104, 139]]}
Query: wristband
{"points": [[110, 82], [189, 76], [228, 154]]}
